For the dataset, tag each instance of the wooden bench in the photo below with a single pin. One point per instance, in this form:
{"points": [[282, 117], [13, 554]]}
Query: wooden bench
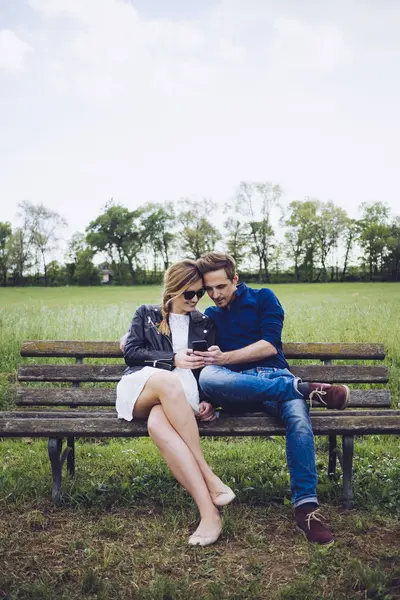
{"points": [[72, 412]]}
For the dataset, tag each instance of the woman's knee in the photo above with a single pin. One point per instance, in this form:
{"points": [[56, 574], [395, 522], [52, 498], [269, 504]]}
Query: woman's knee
{"points": [[156, 420], [166, 381]]}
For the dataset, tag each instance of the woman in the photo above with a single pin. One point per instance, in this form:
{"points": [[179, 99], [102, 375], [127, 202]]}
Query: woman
{"points": [[161, 385]]}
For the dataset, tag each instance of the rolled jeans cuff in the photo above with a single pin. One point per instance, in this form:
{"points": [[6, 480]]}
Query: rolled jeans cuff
{"points": [[312, 499], [296, 381]]}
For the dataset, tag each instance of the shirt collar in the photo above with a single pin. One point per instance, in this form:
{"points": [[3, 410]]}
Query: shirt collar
{"points": [[240, 290]]}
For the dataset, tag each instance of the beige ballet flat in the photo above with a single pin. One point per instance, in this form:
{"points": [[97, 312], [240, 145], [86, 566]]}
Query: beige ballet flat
{"points": [[203, 540], [223, 498]]}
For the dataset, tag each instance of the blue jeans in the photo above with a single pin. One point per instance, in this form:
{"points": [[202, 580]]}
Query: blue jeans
{"points": [[275, 392]]}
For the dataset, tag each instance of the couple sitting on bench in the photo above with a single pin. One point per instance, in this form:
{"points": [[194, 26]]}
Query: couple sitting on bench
{"points": [[241, 367]]}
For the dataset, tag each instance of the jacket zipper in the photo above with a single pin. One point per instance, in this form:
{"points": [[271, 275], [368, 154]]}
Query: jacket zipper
{"points": [[159, 333]]}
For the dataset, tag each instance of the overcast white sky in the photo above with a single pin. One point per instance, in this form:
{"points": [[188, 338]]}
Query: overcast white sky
{"points": [[152, 100]]}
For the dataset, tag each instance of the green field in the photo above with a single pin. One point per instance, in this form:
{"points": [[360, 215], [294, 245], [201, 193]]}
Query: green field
{"points": [[122, 528]]}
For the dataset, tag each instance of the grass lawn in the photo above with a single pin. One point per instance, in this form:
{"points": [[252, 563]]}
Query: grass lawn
{"points": [[122, 529]]}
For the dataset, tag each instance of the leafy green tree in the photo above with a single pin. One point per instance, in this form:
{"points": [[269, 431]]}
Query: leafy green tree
{"points": [[314, 229], [237, 240], [80, 267], [20, 254], [43, 227], [198, 235], [330, 225], [374, 234], [159, 224], [393, 246], [118, 232], [277, 258], [255, 202], [301, 240], [5, 237], [86, 273], [350, 234], [56, 273]]}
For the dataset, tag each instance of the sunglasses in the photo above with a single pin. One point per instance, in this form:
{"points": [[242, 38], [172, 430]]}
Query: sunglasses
{"points": [[189, 295]]}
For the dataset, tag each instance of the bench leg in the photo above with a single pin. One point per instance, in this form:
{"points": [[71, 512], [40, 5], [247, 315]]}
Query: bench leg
{"points": [[54, 447], [348, 452], [332, 456], [71, 456]]}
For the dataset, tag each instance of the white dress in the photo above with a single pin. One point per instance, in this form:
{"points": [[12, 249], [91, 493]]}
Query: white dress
{"points": [[130, 386]]}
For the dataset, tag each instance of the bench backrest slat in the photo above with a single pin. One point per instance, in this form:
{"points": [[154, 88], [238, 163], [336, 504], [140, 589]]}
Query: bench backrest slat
{"points": [[98, 373], [34, 396], [297, 350]]}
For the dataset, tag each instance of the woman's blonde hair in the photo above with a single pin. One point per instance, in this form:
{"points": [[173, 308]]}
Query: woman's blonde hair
{"points": [[177, 279]]}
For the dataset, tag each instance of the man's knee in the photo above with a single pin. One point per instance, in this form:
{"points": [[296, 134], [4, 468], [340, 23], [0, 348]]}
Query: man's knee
{"points": [[209, 377], [296, 415]]}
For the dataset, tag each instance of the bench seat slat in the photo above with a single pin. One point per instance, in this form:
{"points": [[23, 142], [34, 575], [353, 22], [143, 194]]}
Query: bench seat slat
{"points": [[33, 396], [110, 414], [11, 426], [69, 373], [306, 350]]}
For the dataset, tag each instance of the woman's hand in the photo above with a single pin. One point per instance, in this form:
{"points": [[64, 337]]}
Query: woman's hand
{"points": [[185, 359], [206, 412]]}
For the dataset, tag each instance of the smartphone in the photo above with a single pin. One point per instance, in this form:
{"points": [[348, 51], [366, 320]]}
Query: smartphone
{"points": [[200, 345]]}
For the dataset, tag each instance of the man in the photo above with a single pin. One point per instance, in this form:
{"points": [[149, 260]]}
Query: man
{"points": [[247, 371]]}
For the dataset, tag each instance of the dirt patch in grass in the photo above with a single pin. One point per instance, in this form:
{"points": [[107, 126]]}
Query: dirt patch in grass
{"points": [[143, 553]]}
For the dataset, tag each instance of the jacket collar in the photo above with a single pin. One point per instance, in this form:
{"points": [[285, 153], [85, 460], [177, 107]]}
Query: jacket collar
{"points": [[197, 317]]}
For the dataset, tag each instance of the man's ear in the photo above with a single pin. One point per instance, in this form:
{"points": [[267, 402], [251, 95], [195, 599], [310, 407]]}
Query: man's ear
{"points": [[235, 279]]}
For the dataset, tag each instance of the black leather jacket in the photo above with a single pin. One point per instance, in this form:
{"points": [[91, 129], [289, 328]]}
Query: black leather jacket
{"points": [[147, 347]]}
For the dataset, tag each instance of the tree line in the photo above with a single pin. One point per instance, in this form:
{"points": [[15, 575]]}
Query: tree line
{"points": [[304, 241]]}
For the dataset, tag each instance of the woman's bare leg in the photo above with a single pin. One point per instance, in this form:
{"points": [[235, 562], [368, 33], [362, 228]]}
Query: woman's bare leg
{"points": [[184, 467], [165, 388]]}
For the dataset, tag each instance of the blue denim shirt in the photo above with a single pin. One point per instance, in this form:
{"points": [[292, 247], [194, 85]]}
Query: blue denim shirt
{"points": [[254, 315]]}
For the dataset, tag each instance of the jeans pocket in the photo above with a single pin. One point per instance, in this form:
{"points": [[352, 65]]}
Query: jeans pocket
{"points": [[265, 371]]}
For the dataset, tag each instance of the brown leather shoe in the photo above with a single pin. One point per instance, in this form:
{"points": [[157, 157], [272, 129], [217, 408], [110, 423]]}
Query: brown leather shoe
{"points": [[331, 396], [309, 522]]}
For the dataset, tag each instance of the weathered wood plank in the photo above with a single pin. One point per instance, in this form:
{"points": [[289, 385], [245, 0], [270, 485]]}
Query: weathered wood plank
{"points": [[70, 372], [332, 374], [249, 426], [33, 396], [80, 349], [103, 349], [342, 373], [111, 414], [334, 350]]}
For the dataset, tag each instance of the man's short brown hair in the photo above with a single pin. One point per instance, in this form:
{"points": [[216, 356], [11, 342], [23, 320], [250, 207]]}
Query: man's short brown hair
{"points": [[214, 261]]}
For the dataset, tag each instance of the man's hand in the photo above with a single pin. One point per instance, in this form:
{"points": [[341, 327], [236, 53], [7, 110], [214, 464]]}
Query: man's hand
{"points": [[213, 356], [122, 342], [206, 412], [186, 359]]}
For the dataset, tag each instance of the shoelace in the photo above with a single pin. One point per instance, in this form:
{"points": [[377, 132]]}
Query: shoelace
{"points": [[316, 516], [319, 393]]}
